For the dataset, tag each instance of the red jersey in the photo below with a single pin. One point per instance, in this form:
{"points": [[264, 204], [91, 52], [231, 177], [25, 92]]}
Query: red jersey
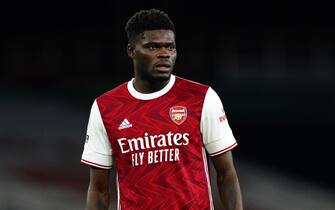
{"points": [[158, 143]]}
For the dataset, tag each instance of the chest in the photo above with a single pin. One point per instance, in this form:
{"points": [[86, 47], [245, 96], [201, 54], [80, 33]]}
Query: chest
{"points": [[150, 132], [140, 118]]}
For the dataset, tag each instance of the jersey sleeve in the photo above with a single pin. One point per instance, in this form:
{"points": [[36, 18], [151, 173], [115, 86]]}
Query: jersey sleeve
{"points": [[97, 149], [216, 132]]}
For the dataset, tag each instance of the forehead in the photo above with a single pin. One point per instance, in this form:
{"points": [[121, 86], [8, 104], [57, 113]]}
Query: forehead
{"points": [[158, 36]]}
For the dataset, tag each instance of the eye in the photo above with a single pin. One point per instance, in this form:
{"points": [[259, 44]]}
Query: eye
{"points": [[152, 47], [172, 47]]}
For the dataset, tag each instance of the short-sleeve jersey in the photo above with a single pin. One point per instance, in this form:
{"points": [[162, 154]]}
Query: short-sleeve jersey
{"points": [[158, 143]]}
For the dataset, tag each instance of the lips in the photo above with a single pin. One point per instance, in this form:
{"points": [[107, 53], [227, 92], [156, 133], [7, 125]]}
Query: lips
{"points": [[163, 66]]}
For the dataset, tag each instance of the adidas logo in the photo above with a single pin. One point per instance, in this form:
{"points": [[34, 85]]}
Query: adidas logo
{"points": [[125, 124]]}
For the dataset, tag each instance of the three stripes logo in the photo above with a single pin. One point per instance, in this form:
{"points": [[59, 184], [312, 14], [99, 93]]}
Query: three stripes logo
{"points": [[125, 124]]}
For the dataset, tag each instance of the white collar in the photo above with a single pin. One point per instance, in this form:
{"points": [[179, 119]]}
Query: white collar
{"points": [[149, 96]]}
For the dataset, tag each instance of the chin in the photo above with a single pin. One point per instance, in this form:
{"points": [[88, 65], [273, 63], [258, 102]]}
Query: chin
{"points": [[162, 76]]}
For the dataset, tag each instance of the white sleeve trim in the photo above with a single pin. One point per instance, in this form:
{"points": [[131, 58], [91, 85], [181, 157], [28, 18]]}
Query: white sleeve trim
{"points": [[216, 133], [95, 164], [97, 149], [226, 149]]}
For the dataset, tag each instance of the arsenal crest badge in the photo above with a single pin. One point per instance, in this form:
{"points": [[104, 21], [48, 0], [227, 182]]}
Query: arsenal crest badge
{"points": [[178, 114]]}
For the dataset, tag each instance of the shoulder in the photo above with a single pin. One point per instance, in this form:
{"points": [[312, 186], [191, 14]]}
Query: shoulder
{"points": [[191, 85], [117, 91], [198, 89], [113, 98]]}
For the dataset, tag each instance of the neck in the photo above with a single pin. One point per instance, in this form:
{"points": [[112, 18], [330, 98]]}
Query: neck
{"points": [[148, 86]]}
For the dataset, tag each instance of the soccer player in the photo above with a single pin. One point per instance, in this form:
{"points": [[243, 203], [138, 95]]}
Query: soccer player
{"points": [[157, 130]]}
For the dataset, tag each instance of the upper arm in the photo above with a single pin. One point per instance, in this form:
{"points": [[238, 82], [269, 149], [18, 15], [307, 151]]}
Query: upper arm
{"points": [[223, 163], [227, 181], [99, 180], [98, 190]]}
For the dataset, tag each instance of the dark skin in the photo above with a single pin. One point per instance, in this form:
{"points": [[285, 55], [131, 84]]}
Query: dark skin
{"points": [[154, 55], [227, 182], [98, 190]]}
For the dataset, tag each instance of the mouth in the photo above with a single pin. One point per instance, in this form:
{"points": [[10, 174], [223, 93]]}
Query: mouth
{"points": [[163, 66]]}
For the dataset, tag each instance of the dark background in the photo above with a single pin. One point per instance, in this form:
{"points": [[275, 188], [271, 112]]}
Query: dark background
{"points": [[271, 63]]}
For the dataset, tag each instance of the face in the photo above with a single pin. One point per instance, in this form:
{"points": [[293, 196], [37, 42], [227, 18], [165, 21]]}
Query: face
{"points": [[154, 54]]}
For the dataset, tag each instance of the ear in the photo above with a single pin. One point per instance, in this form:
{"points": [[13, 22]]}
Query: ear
{"points": [[130, 51]]}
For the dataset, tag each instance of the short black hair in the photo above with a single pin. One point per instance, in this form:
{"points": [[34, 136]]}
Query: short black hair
{"points": [[152, 19]]}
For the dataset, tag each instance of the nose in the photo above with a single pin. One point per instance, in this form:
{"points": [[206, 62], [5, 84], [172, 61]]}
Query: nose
{"points": [[163, 53]]}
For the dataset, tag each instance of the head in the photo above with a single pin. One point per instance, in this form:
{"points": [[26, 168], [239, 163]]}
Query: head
{"points": [[151, 44]]}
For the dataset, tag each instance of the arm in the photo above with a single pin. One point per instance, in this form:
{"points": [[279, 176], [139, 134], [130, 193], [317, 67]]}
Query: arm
{"points": [[227, 181], [98, 190]]}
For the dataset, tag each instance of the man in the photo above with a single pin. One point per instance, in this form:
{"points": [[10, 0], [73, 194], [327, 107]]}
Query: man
{"points": [[156, 129]]}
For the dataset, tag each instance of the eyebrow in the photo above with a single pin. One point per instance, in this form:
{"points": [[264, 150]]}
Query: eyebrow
{"points": [[159, 43]]}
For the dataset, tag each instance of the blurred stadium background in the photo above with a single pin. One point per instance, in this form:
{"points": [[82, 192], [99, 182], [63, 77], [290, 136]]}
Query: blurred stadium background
{"points": [[272, 64]]}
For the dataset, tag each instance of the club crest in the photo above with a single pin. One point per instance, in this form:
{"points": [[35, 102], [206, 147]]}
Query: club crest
{"points": [[178, 114]]}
